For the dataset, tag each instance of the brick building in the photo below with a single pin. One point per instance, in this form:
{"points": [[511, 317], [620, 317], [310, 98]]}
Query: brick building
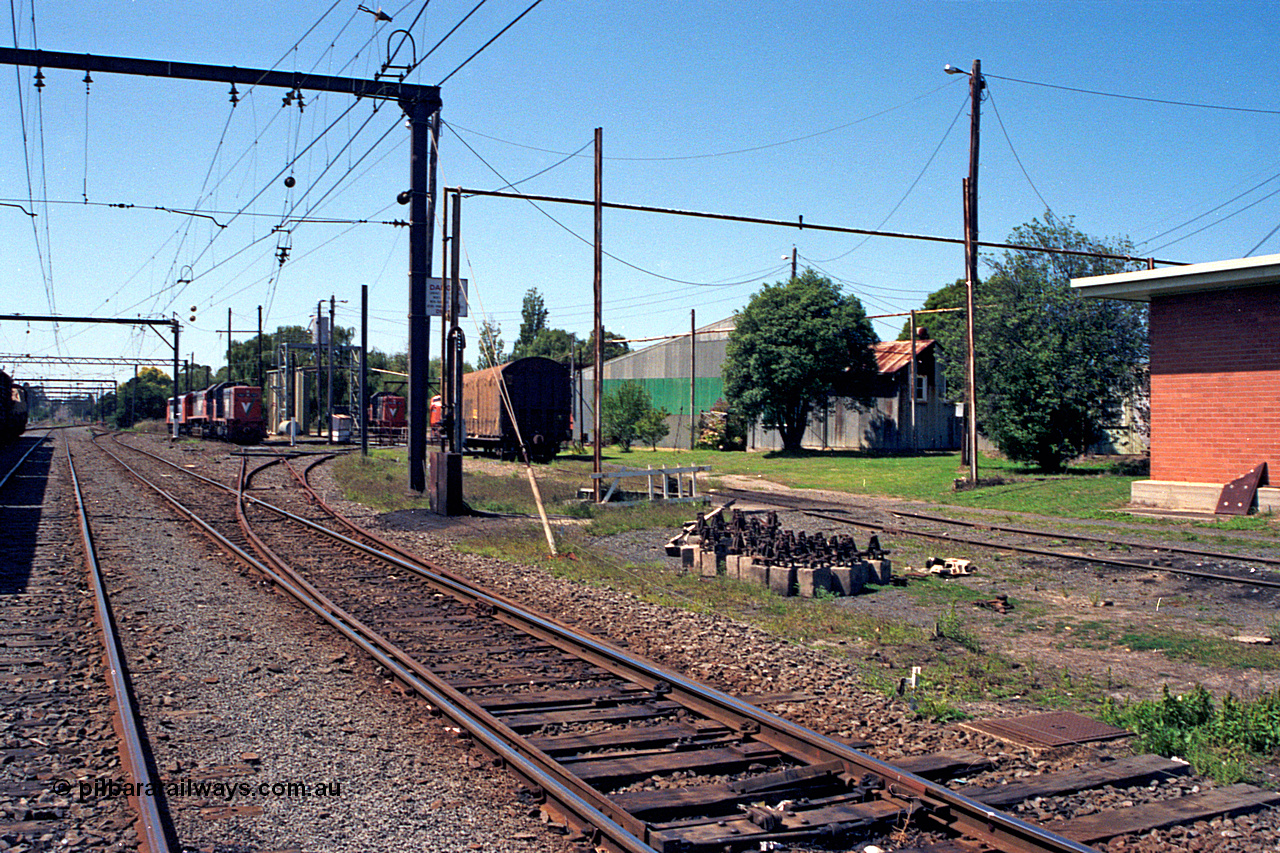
{"points": [[1215, 375]]}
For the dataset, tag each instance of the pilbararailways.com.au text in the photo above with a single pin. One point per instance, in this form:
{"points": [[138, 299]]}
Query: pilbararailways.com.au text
{"points": [[100, 789]]}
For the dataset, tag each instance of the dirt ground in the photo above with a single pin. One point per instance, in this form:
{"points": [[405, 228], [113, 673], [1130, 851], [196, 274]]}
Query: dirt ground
{"points": [[1080, 621]]}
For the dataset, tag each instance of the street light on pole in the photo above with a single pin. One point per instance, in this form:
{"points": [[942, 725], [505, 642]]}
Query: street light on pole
{"points": [[970, 184]]}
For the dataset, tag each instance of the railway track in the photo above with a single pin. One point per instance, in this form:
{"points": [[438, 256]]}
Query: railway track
{"points": [[1163, 556], [631, 756], [67, 713]]}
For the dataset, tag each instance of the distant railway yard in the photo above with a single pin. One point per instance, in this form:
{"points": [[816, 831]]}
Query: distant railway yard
{"points": [[315, 662]]}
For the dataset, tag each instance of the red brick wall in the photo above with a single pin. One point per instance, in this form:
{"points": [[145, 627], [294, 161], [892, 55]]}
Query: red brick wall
{"points": [[1215, 384]]}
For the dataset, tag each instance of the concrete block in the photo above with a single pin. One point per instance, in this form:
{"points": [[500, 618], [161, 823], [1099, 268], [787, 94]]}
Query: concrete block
{"points": [[707, 563], [848, 580], [782, 580], [688, 556], [753, 571], [733, 566], [879, 572], [812, 581]]}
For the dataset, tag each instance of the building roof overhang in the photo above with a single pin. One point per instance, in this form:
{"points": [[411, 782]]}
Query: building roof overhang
{"points": [[1141, 286]]}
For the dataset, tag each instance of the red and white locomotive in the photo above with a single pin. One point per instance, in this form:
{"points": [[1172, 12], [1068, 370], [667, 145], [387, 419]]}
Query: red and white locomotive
{"points": [[227, 410], [388, 418]]}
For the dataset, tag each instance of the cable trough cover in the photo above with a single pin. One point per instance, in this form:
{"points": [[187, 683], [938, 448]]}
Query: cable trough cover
{"points": [[1056, 728]]}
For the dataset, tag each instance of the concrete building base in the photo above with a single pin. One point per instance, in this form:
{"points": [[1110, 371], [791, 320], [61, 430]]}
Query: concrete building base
{"points": [[1191, 497]]}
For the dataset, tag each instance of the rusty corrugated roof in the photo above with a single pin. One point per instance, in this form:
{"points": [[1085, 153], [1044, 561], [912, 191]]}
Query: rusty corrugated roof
{"points": [[892, 356]]}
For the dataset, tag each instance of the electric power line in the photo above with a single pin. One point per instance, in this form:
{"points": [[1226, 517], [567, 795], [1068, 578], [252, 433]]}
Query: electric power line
{"points": [[1133, 97]]}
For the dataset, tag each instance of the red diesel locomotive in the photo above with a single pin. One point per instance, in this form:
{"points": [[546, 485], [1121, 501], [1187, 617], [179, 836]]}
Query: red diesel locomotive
{"points": [[228, 410]]}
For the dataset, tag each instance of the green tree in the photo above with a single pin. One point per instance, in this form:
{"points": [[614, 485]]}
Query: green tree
{"points": [[533, 319], [551, 343], [795, 343], [623, 414], [491, 345], [653, 427], [1052, 366], [141, 398], [614, 346]]}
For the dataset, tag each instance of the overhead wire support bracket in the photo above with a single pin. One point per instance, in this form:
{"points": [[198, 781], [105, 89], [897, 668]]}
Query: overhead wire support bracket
{"points": [[362, 88]]}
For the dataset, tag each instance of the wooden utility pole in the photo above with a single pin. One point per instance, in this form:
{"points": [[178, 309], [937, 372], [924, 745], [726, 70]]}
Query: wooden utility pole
{"points": [[228, 344], [599, 325], [970, 191], [971, 373]]}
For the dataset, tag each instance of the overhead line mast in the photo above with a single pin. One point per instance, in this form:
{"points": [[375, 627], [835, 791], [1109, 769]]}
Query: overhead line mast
{"points": [[422, 106]]}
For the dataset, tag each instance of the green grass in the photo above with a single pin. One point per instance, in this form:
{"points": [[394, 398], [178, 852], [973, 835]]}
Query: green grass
{"points": [[1210, 651], [1084, 491]]}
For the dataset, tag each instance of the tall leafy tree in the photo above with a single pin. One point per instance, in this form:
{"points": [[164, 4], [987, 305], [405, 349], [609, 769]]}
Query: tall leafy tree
{"points": [[142, 397], [1052, 366], [491, 345], [550, 343], [533, 319], [794, 344]]}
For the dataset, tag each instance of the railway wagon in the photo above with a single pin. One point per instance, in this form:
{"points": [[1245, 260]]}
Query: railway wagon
{"points": [[540, 397], [13, 409]]}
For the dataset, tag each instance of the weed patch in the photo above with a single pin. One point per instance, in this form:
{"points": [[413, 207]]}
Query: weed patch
{"points": [[1224, 741]]}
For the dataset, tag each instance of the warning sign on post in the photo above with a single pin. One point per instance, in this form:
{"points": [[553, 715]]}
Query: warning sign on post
{"points": [[435, 297]]}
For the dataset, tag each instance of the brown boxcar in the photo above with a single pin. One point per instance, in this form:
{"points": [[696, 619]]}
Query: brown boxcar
{"points": [[540, 397]]}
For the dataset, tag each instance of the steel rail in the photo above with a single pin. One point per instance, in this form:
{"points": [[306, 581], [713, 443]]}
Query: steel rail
{"points": [[581, 813], [156, 833], [1082, 537], [537, 768], [1045, 552], [416, 560], [947, 809], [23, 458]]}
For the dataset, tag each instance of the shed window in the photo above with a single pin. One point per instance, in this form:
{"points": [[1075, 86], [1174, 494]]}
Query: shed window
{"points": [[922, 389]]}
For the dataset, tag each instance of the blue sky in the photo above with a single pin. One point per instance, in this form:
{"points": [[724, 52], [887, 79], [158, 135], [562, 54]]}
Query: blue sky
{"points": [[837, 112]]}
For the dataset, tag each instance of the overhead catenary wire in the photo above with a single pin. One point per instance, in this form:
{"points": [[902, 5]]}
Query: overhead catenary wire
{"points": [[566, 228], [482, 47], [731, 152], [1211, 210], [999, 120]]}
